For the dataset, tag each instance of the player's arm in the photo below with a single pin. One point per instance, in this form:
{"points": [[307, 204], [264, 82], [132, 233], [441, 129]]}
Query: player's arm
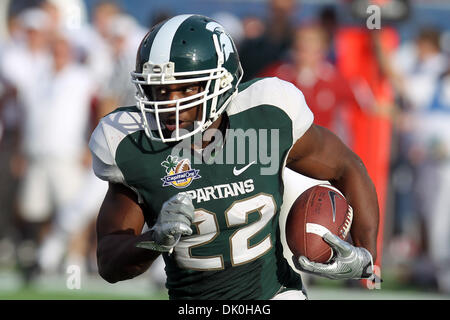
{"points": [[123, 252], [322, 155], [119, 226]]}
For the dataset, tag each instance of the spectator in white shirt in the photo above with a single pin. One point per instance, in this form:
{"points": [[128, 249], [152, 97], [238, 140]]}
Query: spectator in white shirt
{"points": [[417, 72], [56, 119], [116, 89]]}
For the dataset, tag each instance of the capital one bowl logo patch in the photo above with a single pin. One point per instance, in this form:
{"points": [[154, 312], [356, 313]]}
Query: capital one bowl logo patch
{"points": [[179, 172]]}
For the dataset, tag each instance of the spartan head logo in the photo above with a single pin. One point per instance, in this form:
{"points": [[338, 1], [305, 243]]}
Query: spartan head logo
{"points": [[224, 39]]}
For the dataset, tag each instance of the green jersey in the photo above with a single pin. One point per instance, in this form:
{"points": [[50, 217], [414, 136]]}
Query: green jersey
{"points": [[235, 251]]}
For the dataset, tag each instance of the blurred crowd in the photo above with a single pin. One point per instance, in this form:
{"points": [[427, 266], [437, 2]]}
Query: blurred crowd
{"points": [[56, 83], [57, 80]]}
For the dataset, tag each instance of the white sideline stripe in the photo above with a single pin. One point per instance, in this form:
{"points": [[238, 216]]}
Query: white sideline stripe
{"points": [[316, 229], [160, 52]]}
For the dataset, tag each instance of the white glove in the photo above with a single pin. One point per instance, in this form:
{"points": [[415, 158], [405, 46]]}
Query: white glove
{"points": [[173, 221], [349, 262]]}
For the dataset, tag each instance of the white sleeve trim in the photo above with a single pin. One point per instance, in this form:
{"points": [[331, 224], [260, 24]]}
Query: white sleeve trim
{"points": [[104, 142], [103, 161], [297, 109], [281, 94]]}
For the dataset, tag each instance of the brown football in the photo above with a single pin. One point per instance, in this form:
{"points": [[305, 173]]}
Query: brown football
{"points": [[317, 210], [183, 165]]}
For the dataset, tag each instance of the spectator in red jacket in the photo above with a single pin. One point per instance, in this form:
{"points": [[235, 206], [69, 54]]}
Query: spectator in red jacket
{"points": [[327, 93]]}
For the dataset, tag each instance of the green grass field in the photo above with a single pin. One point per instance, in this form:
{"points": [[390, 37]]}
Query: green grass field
{"points": [[92, 288], [35, 294], [141, 288]]}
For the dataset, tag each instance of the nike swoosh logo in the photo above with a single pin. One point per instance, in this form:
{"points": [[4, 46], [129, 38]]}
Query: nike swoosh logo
{"points": [[333, 204], [238, 172]]}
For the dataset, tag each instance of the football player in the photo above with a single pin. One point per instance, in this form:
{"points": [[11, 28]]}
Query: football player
{"points": [[216, 222]]}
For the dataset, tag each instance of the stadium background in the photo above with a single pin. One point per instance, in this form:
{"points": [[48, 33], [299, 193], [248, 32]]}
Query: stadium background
{"points": [[406, 268]]}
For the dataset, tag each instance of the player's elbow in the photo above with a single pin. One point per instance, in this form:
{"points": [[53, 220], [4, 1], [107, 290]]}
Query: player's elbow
{"points": [[106, 271], [107, 276], [107, 263], [111, 269]]}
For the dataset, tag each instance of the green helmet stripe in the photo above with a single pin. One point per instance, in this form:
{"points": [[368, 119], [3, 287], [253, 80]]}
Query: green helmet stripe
{"points": [[160, 52], [201, 54]]}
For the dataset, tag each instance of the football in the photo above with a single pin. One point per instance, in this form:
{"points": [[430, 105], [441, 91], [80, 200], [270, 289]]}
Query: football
{"points": [[317, 210], [183, 165]]}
